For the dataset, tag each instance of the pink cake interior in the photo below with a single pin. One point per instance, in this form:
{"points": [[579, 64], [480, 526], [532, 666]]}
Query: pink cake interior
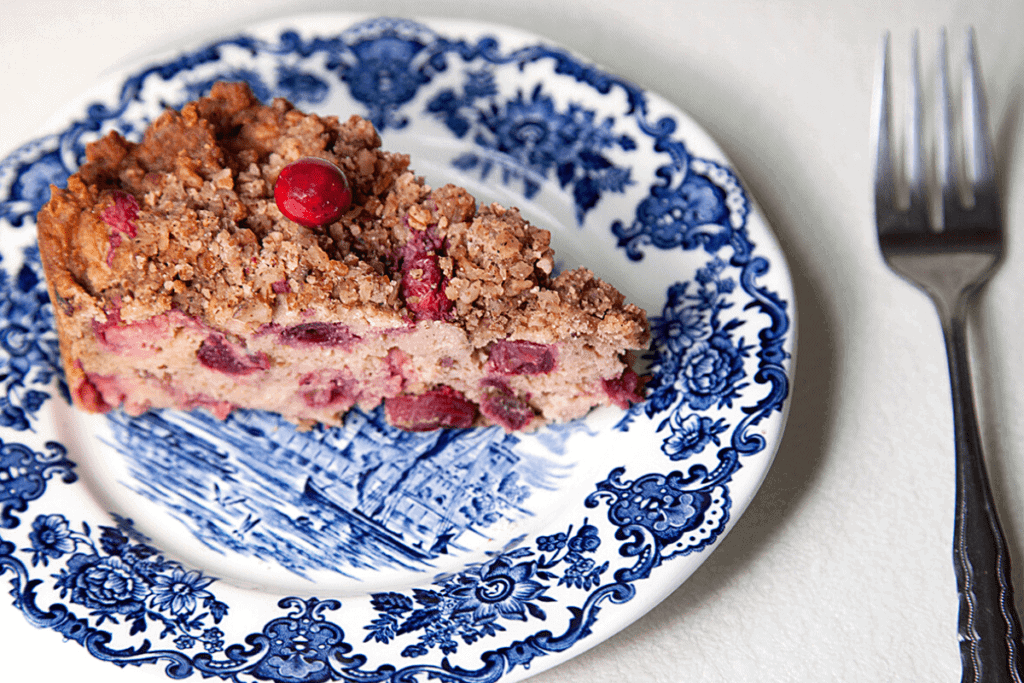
{"points": [[178, 282]]}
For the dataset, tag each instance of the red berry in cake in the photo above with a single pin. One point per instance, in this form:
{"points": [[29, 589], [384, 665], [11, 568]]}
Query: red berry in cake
{"points": [[423, 282], [312, 192], [441, 407], [319, 334], [626, 389], [521, 358], [120, 216], [216, 354], [502, 406]]}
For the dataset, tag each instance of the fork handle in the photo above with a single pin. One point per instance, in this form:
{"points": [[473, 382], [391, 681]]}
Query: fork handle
{"points": [[989, 628]]}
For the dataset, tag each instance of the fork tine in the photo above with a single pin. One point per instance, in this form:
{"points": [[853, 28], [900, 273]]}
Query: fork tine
{"points": [[916, 181], [981, 166], [890, 218], [885, 176], [947, 172]]}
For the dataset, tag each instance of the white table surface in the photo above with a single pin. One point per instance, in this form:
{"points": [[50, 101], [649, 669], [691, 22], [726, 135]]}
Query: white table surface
{"points": [[840, 569]]}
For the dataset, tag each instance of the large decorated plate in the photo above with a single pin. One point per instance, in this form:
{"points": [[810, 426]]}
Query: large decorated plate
{"points": [[247, 550]]}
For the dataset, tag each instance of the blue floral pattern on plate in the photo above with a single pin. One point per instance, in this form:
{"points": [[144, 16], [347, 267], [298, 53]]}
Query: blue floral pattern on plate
{"points": [[529, 139], [515, 555]]}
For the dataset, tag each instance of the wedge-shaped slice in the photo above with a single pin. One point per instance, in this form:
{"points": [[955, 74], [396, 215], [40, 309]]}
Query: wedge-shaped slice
{"points": [[177, 282]]}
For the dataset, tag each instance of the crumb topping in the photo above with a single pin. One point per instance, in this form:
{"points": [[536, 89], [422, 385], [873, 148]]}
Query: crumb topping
{"points": [[186, 220]]}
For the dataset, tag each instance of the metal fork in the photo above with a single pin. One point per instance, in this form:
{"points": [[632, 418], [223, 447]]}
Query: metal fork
{"points": [[951, 258]]}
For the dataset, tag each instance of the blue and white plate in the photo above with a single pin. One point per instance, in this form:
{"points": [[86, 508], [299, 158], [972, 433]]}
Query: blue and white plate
{"points": [[246, 550]]}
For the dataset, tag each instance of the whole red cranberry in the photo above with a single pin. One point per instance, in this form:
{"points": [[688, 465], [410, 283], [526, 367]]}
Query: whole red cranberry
{"points": [[312, 192]]}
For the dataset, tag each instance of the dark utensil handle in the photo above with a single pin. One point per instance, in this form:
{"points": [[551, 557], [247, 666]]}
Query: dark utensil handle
{"points": [[990, 634]]}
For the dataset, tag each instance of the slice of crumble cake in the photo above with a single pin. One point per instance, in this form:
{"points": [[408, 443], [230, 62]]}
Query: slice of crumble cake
{"points": [[254, 256]]}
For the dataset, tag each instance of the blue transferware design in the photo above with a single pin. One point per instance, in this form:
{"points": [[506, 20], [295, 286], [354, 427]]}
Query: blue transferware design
{"points": [[23, 476], [691, 434], [385, 63], [319, 501], [31, 358], [473, 604], [665, 515], [528, 139], [302, 646], [696, 361], [697, 203], [364, 495], [119, 579]]}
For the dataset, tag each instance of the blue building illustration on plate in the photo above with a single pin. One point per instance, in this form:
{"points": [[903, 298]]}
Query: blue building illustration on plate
{"points": [[362, 495], [428, 494]]}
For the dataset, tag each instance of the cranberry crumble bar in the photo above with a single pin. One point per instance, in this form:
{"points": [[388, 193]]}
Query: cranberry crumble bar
{"points": [[179, 281]]}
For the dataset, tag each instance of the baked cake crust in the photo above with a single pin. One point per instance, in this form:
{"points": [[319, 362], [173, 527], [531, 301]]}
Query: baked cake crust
{"points": [[173, 249]]}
